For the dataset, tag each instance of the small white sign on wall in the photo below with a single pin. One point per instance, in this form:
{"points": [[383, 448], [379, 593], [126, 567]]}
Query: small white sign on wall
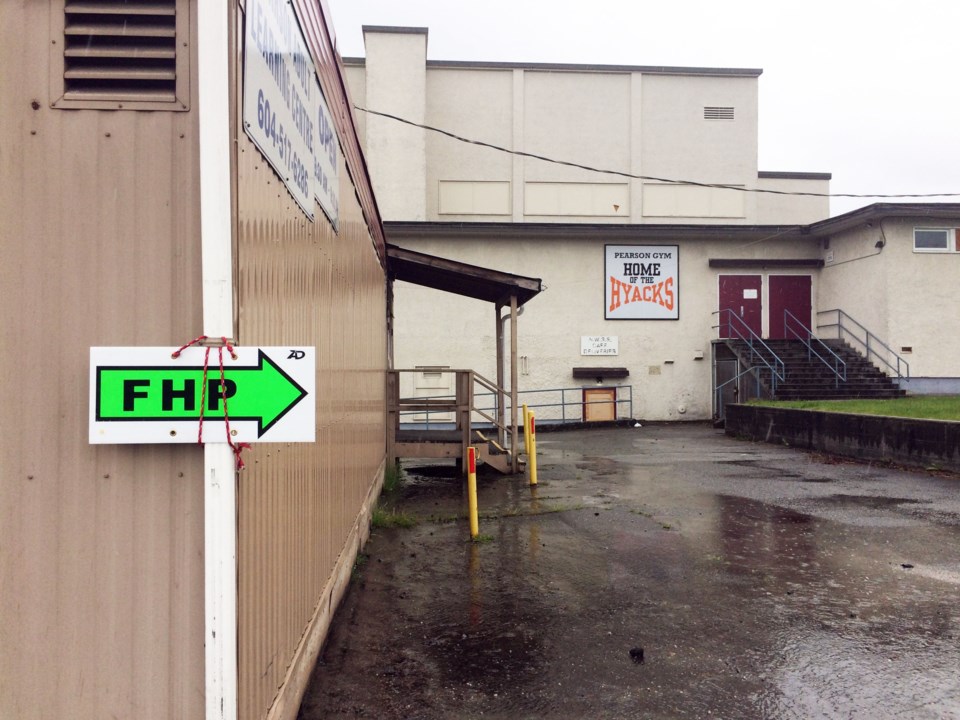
{"points": [[599, 345], [280, 96], [326, 174], [750, 294]]}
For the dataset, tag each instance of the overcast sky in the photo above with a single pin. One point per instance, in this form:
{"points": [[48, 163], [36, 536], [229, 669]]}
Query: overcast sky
{"points": [[866, 90]]}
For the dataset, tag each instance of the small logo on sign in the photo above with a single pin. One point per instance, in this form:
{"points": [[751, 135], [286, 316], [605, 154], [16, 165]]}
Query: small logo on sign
{"points": [[296, 355]]}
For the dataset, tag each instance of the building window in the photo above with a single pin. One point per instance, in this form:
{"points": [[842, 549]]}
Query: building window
{"points": [[117, 55], [935, 240]]}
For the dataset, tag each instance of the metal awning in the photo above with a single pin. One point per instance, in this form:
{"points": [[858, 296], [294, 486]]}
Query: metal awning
{"points": [[460, 278], [503, 290]]}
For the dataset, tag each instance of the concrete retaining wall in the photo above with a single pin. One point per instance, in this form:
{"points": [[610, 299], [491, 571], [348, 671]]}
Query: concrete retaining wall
{"points": [[923, 443]]}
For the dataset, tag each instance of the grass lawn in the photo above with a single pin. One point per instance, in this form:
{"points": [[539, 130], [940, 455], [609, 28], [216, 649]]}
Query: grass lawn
{"points": [[929, 407]]}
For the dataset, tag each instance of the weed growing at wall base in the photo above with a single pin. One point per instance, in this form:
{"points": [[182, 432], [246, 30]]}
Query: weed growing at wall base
{"points": [[388, 518], [392, 478]]}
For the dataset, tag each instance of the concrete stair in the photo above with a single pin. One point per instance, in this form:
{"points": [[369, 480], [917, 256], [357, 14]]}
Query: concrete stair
{"points": [[810, 379]]}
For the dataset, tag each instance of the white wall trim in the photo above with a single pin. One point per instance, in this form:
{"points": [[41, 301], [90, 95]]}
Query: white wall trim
{"points": [[220, 478]]}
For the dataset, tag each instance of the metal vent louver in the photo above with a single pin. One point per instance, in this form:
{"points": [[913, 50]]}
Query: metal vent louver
{"points": [[718, 113], [120, 50]]}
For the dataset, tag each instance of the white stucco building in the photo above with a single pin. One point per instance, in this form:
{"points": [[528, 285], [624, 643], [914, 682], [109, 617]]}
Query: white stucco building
{"points": [[635, 267]]}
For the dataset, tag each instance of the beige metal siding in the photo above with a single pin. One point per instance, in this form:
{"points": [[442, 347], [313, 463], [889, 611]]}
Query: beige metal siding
{"points": [[101, 548], [300, 283]]}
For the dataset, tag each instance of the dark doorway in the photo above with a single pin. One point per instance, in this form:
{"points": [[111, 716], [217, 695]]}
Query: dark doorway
{"points": [[741, 295], [788, 292]]}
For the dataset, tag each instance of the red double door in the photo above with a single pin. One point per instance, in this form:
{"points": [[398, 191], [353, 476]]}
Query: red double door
{"points": [[743, 296]]}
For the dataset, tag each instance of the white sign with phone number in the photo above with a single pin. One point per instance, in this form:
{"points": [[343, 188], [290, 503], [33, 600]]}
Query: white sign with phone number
{"points": [[280, 96]]}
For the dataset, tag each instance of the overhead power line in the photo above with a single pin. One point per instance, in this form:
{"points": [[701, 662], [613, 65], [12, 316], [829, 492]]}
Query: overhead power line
{"points": [[673, 181]]}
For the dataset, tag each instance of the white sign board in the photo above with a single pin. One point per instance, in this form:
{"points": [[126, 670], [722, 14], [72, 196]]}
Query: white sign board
{"points": [[280, 95], [599, 345], [641, 282], [144, 395], [326, 173]]}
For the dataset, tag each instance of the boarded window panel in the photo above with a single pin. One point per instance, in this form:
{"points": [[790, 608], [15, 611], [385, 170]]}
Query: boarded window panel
{"points": [[599, 404], [130, 54], [459, 197], [578, 199], [690, 201]]}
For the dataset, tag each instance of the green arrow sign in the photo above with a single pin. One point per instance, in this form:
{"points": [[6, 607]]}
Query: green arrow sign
{"points": [[264, 393]]}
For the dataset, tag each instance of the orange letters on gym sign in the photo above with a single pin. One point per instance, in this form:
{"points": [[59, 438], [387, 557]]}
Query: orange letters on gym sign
{"points": [[622, 293]]}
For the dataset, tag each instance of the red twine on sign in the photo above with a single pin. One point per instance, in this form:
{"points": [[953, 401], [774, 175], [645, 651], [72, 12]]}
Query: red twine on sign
{"points": [[236, 447], [195, 341]]}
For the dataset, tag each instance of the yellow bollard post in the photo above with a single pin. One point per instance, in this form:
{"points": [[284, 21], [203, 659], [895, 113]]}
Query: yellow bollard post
{"points": [[532, 458], [526, 430], [472, 491]]}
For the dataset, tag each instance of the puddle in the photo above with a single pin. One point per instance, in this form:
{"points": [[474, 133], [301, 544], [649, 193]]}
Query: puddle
{"points": [[788, 603], [482, 637], [818, 672], [875, 502], [600, 466]]}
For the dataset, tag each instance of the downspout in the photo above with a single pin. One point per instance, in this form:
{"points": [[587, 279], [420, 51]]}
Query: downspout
{"points": [[216, 241]]}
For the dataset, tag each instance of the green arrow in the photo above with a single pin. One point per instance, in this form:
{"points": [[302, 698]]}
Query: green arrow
{"points": [[264, 393]]}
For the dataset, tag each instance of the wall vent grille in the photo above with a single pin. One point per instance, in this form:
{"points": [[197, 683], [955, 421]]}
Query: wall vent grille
{"points": [[718, 113], [120, 50]]}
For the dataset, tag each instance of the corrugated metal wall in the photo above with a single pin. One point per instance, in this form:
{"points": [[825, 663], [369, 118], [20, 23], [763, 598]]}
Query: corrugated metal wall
{"points": [[101, 548], [302, 284]]}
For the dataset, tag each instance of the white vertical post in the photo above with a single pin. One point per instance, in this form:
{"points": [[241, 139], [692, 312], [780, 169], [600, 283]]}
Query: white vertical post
{"points": [[220, 478], [220, 580]]}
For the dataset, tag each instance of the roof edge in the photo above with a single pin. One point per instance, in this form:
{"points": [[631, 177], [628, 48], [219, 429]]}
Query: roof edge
{"points": [[395, 29], [455, 229], [574, 67], [592, 67], [861, 216], [881, 211]]}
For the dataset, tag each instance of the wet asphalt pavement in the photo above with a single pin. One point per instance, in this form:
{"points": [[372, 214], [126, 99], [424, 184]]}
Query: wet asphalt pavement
{"points": [[759, 582]]}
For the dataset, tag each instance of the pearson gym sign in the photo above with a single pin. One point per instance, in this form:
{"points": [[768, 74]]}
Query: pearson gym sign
{"points": [[641, 282], [144, 395]]}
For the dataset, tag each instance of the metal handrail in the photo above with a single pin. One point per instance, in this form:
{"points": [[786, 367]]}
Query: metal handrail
{"points": [[776, 366], [866, 341], [564, 404], [838, 368]]}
